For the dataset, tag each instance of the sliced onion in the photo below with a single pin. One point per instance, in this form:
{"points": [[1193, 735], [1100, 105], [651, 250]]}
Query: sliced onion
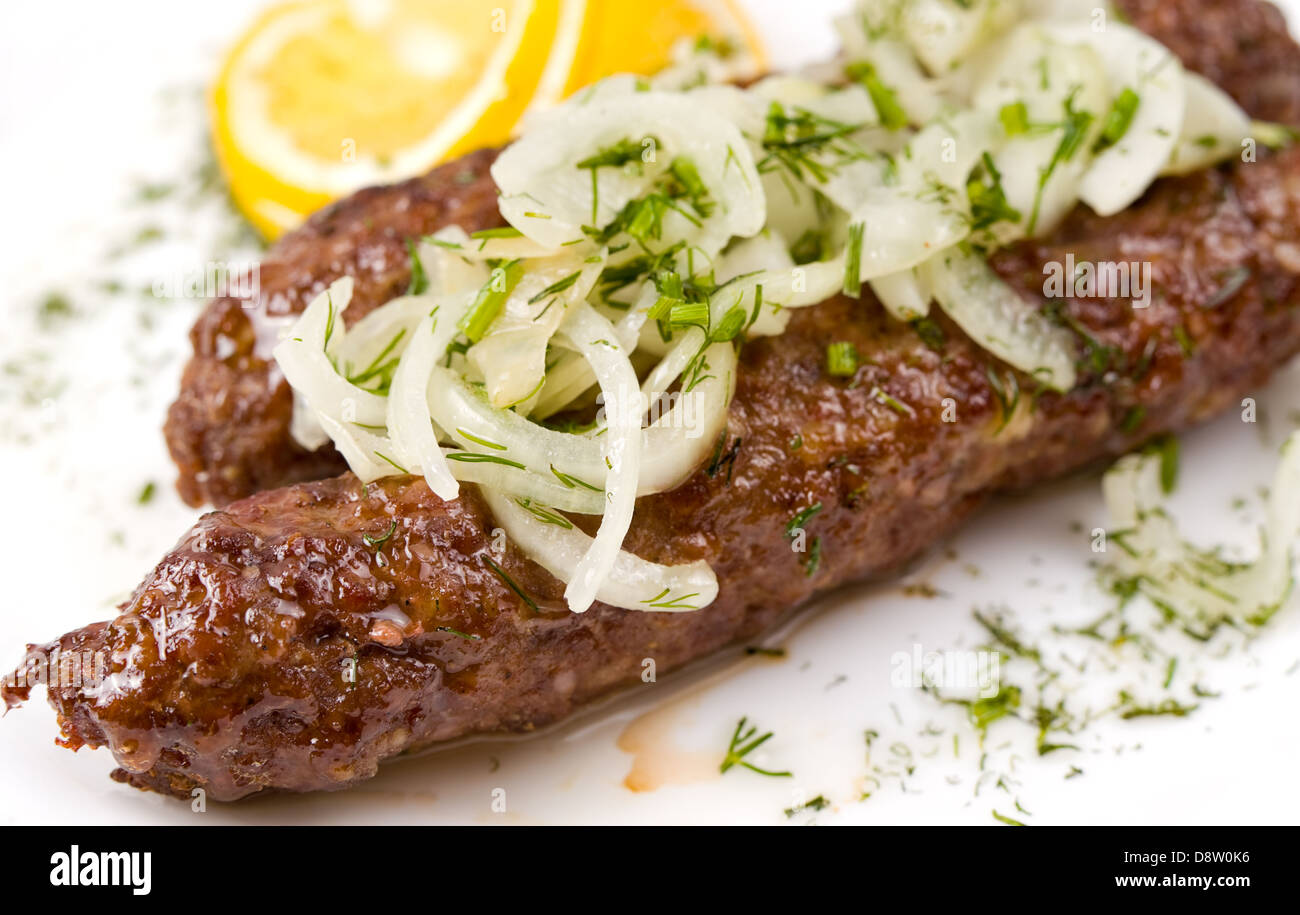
{"points": [[1194, 583], [633, 583], [904, 294], [524, 484], [681, 438], [873, 34], [305, 357], [1043, 74], [592, 335], [409, 419], [365, 451], [571, 377], [511, 358], [1123, 172], [451, 261], [943, 33], [998, 319], [1213, 128], [538, 173], [381, 336]]}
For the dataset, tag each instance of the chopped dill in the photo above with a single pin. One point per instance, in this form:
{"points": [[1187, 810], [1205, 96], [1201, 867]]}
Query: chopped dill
{"points": [[495, 446], [816, 804], [510, 583], [419, 279], [743, 742], [474, 457], [378, 542], [544, 514]]}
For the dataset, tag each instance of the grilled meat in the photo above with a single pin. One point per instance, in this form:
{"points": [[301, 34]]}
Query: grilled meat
{"points": [[302, 635]]}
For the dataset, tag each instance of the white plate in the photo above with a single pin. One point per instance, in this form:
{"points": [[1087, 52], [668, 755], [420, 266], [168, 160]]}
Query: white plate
{"points": [[118, 103]]}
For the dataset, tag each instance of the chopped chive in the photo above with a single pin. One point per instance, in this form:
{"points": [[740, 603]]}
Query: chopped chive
{"points": [[853, 261], [801, 519], [382, 456], [690, 314], [1014, 118], [684, 170], [1233, 281], [1119, 120], [463, 635], [883, 97], [842, 359], [663, 601], [1167, 449], [489, 301], [884, 397], [419, 280], [731, 324], [499, 232]]}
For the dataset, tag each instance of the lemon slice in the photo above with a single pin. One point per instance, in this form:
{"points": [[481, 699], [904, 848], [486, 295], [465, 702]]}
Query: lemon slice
{"points": [[322, 97]]}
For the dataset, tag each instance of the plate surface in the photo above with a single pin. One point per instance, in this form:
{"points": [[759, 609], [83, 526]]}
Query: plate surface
{"points": [[105, 190]]}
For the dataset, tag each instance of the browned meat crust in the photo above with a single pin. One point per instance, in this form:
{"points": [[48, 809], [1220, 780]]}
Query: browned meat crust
{"points": [[264, 609], [229, 429]]}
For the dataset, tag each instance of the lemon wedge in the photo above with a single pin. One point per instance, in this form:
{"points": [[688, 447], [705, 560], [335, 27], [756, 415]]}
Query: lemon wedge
{"points": [[321, 97]]}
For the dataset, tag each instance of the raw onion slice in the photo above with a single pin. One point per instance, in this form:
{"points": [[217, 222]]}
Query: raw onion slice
{"points": [[306, 358], [1213, 128], [451, 261], [410, 421], [538, 174], [681, 438], [873, 33], [943, 33], [998, 319], [1040, 168], [1198, 585], [593, 336], [511, 358], [633, 583], [369, 455], [1121, 173], [521, 484], [374, 345], [904, 294]]}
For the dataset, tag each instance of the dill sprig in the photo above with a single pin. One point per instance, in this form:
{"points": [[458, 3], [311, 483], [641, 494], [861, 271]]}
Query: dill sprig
{"points": [[807, 145], [743, 742], [510, 583]]}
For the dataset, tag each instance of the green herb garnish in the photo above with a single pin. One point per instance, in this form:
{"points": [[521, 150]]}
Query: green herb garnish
{"points": [[742, 745]]}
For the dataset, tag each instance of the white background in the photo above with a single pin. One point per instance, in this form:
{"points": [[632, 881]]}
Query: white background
{"points": [[95, 98]]}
